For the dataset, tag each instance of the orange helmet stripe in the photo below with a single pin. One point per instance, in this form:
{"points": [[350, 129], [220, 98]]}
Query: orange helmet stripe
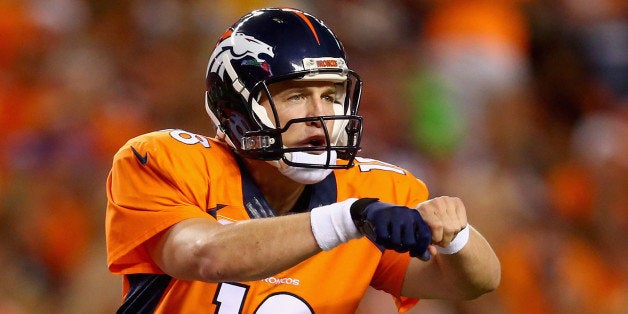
{"points": [[225, 35], [307, 21]]}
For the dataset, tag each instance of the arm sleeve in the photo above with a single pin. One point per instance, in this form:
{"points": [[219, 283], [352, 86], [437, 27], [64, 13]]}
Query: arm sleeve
{"points": [[144, 199]]}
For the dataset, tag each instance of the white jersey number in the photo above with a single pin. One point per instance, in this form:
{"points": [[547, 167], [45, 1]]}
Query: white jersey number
{"points": [[367, 164], [189, 138], [230, 300]]}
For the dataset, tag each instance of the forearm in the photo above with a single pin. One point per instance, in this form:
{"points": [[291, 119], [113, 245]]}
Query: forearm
{"points": [[467, 274], [258, 248], [472, 271], [198, 249]]}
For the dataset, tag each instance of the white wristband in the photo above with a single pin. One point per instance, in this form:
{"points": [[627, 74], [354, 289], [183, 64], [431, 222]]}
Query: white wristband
{"points": [[459, 241], [332, 224]]}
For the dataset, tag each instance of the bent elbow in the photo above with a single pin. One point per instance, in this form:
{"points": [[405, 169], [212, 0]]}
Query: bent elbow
{"points": [[209, 266], [214, 263], [495, 280], [489, 284], [484, 289], [221, 270], [495, 277], [211, 272]]}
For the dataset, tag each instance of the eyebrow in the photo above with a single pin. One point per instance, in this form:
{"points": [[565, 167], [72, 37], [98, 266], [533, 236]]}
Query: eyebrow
{"points": [[299, 89]]}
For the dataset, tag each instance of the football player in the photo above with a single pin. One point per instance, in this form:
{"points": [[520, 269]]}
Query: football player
{"points": [[276, 214]]}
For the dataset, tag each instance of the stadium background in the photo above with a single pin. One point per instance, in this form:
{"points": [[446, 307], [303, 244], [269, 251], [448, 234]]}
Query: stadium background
{"points": [[518, 107]]}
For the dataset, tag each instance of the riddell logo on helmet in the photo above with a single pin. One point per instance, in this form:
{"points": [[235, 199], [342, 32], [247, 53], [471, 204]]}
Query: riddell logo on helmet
{"points": [[282, 281]]}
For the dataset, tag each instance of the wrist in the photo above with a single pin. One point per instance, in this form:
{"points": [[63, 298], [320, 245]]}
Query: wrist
{"points": [[357, 215], [459, 241], [332, 224]]}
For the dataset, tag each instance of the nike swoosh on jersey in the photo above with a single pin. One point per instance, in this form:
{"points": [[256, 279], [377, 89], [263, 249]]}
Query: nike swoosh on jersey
{"points": [[213, 211], [142, 159]]}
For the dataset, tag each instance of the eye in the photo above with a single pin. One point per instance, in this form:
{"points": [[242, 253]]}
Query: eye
{"points": [[329, 98], [296, 97]]}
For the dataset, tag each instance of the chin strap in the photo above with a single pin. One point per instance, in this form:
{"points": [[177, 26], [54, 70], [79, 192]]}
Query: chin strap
{"points": [[305, 175]]}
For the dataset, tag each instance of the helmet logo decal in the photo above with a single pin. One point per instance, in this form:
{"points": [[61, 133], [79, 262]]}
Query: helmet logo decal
{"points": [[237, 47]]}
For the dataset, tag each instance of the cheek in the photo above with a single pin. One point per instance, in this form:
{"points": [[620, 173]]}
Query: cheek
{"points": [[282, 114], [288, 113], [329, 110]]}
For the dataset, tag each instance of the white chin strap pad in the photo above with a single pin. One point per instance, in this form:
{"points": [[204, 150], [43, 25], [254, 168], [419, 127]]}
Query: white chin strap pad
{"points": [[306, 175]]}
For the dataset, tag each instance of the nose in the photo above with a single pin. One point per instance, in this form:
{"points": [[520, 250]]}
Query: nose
{"points": [[317, 108], [315, 123]]}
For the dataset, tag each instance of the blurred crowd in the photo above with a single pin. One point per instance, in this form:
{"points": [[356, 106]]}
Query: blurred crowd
{"points": [[518, 107]]}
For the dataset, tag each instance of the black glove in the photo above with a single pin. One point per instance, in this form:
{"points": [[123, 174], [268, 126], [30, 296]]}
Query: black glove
{"points": [[394, 227]]}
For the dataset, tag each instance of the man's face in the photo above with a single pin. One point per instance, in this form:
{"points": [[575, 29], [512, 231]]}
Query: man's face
{"points": [[299, 99]]}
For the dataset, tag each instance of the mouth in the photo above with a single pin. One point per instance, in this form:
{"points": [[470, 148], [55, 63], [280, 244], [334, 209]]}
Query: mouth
{"points": [[314, 141]]}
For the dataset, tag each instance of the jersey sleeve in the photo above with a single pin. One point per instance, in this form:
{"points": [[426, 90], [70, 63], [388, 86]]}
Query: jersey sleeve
{"points": [[149, 189], [389, 277]]}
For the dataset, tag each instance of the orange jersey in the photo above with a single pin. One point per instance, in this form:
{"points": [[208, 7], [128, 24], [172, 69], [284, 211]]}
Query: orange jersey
{"points": [[164, 177]]}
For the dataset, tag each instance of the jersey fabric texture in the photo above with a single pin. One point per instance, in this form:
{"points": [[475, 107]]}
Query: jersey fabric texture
{"points": [[161, 178]]}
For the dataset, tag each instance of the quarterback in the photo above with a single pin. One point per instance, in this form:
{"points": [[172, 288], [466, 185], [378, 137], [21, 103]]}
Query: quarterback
{"points": [[277, 213]]}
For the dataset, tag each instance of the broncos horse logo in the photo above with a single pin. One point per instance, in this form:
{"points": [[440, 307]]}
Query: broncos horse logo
{"points": [[236, 47]]}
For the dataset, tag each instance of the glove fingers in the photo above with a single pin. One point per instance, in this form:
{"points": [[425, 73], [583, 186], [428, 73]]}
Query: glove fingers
{"points": [[409, 240], [423, 238], [382, 232], [395, 241], [423, 235]]}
